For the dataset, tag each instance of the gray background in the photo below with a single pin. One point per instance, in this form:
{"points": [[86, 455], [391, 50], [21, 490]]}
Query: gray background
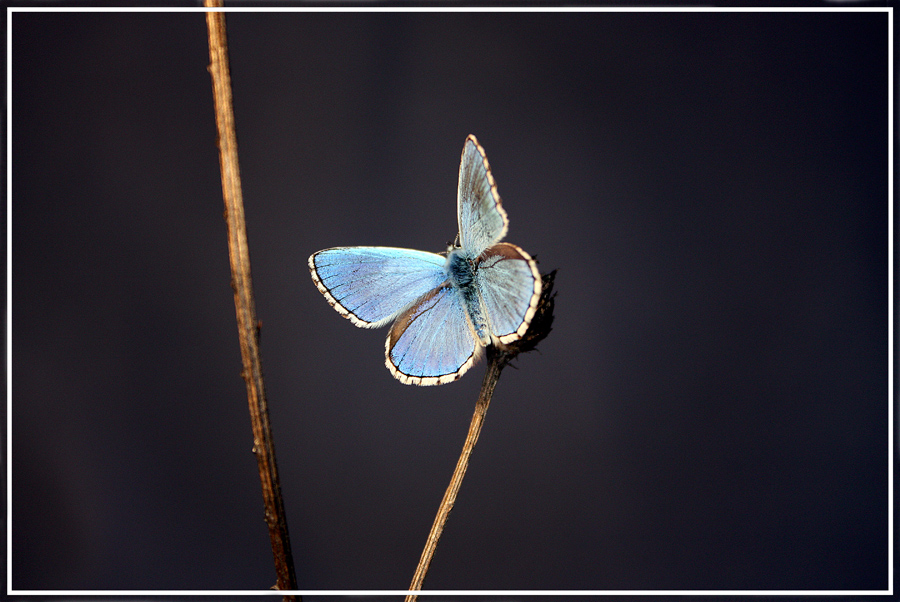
{"points": [[710, 410]]}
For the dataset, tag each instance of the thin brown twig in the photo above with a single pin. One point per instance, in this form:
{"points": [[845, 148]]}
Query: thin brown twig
{"points": [[496, 361], [263, 444], [498, 356]]}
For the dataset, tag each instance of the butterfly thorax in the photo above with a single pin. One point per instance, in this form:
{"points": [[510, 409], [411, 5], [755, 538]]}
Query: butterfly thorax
{"points": [[461, 272], [460, 269]]}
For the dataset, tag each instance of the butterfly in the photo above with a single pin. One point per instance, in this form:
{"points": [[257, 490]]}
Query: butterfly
{"points": [[445, 307]]}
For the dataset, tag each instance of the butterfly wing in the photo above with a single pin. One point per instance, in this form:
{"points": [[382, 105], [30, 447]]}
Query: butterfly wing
{"points": [[432, 343], [482, 220], [371, 285], [510, 287]]}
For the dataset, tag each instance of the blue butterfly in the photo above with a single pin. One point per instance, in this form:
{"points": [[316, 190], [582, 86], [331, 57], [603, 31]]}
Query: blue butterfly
{"points": [[445, 307]]}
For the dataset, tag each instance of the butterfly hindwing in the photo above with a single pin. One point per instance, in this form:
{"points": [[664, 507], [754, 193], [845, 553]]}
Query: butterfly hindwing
{"points": [[510, 287], [371, 285], [432, 343], [482, 220]]}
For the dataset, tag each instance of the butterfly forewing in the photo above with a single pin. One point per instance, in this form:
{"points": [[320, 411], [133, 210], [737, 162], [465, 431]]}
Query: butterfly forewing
{"points": [[431, 343], [371, 285], [510, 286], [482, 220]]}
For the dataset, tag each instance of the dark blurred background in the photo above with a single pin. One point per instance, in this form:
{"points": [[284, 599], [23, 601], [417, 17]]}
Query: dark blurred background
{"points": [[710, 411]]}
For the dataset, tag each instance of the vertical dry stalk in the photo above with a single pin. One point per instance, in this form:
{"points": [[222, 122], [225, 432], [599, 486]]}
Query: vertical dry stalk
{"points": [[263, 445]]}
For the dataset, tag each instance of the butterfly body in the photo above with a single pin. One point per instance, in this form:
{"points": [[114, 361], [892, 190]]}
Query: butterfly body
{"points": [[461, 273], [447, 307]]}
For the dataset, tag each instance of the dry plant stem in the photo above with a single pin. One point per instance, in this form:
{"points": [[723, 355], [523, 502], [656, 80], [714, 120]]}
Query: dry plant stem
{"points": [[496, 362], [263, 445]]}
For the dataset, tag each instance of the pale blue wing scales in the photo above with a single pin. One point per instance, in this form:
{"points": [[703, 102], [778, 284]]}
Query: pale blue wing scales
{"points": [[510, 287], [482, 220], [431, 343], [371, 285]]}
